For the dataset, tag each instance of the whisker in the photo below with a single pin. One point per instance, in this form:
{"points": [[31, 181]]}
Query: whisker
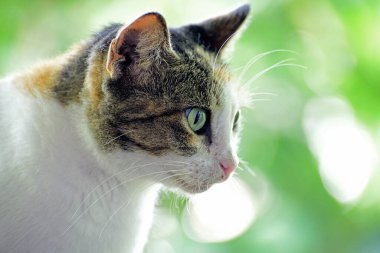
{"points": [[102, 183], [245, 167], [110, 218], [113, 188], [117, 137], [235, 186], [260, 99], [219, 50], [122, 206], [113, 139], [276, 65], [135, 168], [260, 56], [264, 93]]}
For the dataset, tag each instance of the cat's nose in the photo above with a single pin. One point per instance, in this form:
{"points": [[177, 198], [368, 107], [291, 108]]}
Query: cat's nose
{"points": [[228, 166]]}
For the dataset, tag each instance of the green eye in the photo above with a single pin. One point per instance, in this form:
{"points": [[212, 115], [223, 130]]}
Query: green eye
{"points": [[196, 118]]}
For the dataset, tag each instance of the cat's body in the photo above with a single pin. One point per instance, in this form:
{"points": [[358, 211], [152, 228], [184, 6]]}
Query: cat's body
{"points": [[87, 140]]}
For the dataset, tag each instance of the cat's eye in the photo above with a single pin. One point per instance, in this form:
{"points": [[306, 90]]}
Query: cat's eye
{"points": [[236, 121], [196, 118]]}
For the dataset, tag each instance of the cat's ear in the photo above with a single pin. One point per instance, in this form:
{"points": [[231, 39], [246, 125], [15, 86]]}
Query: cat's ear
{"points": [[140, 42], [215, 33]]}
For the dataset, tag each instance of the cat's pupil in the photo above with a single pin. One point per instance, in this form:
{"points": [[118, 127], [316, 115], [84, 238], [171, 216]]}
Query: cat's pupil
{"points": [[236, 120], [197, 117]]}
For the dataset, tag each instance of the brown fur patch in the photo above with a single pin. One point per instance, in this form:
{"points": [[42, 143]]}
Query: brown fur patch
{"points": [[94, 79], [41, 80]]}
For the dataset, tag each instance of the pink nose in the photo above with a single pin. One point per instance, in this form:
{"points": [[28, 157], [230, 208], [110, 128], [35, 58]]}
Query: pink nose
{"points": [[228, 167]]}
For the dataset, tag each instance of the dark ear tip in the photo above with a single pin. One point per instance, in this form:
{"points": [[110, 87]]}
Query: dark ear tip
{"points": [[153, 13], [157, 15], [243, 10]]}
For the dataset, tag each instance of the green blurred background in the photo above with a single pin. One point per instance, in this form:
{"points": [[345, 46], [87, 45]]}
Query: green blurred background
{"points": [[312, 140]]}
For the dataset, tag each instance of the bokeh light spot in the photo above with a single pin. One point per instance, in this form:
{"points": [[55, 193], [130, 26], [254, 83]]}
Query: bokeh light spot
{"points": [[345, 150], [220, 214]]}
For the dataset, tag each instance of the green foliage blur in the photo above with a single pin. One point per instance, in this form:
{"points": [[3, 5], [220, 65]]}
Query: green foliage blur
{"points": [[338, 43]]}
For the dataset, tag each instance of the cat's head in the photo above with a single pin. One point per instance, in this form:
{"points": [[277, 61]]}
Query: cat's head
{"points": [[166, 96]]}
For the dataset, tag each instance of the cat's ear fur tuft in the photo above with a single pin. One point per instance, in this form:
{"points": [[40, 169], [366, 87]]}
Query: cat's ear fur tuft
{"points": [[216, 32], [141, 42]]}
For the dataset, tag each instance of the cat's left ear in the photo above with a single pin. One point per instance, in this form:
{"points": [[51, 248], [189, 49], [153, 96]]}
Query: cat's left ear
{"points": [[214, 34], [142, 42]]}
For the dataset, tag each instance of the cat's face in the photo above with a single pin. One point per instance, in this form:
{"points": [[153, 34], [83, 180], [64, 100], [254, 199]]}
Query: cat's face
{"points": [[167, 96], [216, 148]]}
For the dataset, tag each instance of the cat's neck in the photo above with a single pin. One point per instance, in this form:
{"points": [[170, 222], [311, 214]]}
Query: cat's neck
{"points": [[45, 105]]}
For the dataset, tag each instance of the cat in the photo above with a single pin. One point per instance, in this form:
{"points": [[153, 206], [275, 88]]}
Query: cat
{"points": [[90, 138]]}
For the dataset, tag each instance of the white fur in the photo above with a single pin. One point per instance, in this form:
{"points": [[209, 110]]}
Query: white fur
{"points": [[59, 193]]}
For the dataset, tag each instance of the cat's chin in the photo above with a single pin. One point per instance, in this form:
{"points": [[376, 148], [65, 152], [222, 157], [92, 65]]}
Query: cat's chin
{"points": [[187, 191], [185, 188], [194, 190]]}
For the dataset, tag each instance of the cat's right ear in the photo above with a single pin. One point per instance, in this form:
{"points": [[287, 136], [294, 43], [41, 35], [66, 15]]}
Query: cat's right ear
{"points": [[141, 42], [215, 33]]}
